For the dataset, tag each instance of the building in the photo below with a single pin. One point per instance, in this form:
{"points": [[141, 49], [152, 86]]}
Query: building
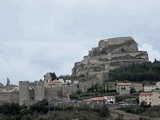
{"points": [[151, 98], [145, 96], [123, 88], [104, 99], [97, 99], [149, 88], [158, 84], [137, 86], [109, 99]]}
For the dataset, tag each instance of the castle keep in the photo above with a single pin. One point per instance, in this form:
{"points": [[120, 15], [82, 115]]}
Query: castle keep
{"points": [[110, 54]]}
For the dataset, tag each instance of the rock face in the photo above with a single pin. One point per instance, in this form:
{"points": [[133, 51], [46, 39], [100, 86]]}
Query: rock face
{"points": [[110, 54]]}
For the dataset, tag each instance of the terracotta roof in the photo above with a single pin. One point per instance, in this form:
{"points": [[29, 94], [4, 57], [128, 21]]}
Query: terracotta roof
{"points": [[97, 98], [145, 94], [124, 83], [109, 96]]}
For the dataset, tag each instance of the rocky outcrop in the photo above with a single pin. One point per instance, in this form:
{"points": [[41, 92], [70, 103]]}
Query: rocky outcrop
{"points": [[110, 54]]}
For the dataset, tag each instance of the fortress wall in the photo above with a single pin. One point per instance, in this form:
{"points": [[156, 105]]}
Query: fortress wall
{"points": [[102, 43], [57, 93], [51, 94], [84, 86], [5, 97], [9, 97], [72, 89], [129, 46]]}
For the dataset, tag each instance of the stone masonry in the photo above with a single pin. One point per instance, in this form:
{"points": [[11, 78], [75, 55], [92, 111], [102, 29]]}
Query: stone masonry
{"points": [[110, 54]]}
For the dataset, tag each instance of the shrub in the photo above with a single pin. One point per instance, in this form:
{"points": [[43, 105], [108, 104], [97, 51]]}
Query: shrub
{"points": [[104, 112]]}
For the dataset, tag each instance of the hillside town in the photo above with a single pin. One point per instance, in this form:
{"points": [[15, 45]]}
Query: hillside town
{"points": [[89, 83]]}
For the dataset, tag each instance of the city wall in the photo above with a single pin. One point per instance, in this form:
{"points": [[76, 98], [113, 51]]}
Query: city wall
{"points": [[9, 97]]}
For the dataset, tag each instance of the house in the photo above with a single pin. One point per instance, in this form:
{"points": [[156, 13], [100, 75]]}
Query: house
{"points": [[151, 98], [109, 99], [145, 96], [158, 84], [123, 88], [137, 86], [104, 99], [97, 99], [149, 88]]}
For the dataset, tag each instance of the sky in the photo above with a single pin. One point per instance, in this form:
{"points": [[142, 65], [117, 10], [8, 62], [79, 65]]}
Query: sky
{"points": [[40, 36]]}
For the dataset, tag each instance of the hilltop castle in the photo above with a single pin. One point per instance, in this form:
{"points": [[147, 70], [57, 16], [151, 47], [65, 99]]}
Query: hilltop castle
{"points": [[110, 54]]}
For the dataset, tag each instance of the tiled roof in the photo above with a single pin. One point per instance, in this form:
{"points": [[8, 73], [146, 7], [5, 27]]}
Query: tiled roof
{"points": [[109, 96], [97, 98], [124, 83], [146, 94]]}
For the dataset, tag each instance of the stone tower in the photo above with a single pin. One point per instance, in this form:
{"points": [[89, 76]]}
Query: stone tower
{"points": [[23, 91], [39, 90], [47, 77], [8, 88]]}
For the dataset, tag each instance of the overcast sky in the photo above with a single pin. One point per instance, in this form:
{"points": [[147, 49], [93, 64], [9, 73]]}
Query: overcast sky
{"points": [[39, 36]]}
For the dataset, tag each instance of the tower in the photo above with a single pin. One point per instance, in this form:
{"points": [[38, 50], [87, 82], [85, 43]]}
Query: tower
{"points": [[23, 91], [39, 90]]}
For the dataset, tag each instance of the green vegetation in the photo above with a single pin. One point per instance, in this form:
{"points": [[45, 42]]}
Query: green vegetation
{"points": [[135, 109], [43, 111], [152, 111], [40, 107], [137, 72], [120, 98], [53, 75], [132, 90]]}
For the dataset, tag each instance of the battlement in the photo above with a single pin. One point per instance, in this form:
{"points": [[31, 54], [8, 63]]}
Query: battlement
{"points": [[114, 41]]}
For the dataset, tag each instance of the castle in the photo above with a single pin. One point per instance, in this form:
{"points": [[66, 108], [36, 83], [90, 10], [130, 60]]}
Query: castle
{"points": [[110, 54], [29, 93]]}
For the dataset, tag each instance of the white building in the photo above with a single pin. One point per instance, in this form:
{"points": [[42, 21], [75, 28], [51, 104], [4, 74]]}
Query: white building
{"points": [[148, 88], [109, 99]]}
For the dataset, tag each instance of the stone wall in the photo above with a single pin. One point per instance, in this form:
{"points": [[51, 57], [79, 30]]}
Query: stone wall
{"points": [[84, 86], [9, 97], [31, 91], [57, 93], [77, 104]]}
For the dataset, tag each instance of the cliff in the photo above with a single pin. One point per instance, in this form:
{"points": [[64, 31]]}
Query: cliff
{"points": [[110, 54]]}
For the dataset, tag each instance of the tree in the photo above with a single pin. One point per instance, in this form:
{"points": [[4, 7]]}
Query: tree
{"points": [[144, 104], [132, 90], [104, 112], [53, 75]]}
